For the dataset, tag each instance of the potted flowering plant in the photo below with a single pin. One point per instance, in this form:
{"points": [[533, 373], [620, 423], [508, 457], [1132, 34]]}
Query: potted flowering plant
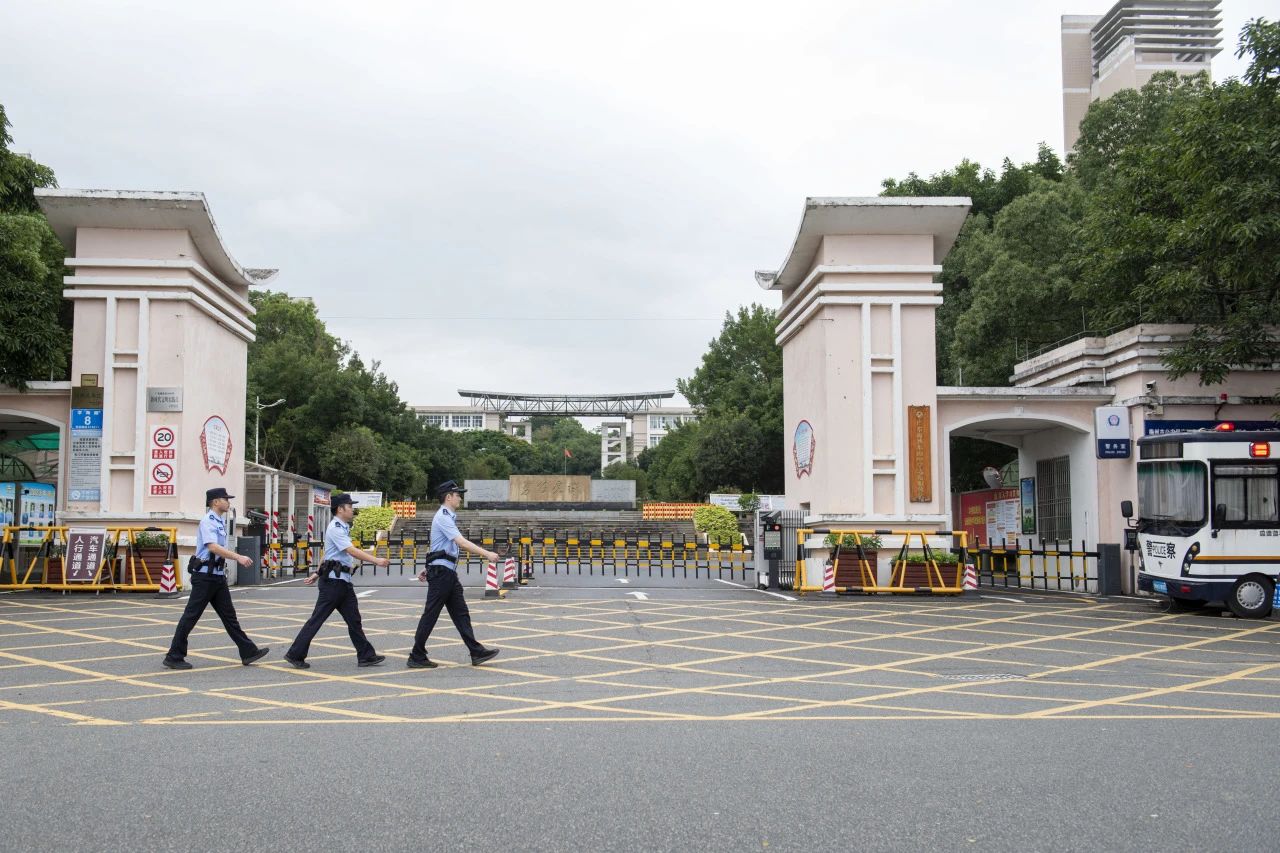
{"points": [[848, 563]]}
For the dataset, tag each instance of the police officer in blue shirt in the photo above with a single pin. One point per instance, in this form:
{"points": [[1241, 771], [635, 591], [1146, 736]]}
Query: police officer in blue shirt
{"points": [[443, 587], [208, 570], [337, 591]]}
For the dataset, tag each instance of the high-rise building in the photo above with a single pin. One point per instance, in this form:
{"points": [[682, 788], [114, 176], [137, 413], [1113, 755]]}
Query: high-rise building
{"points": [[1102, 54]]}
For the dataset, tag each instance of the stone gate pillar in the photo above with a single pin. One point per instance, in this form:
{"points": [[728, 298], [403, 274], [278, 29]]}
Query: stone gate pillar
{"points": [[857, 331], [162, 328]]}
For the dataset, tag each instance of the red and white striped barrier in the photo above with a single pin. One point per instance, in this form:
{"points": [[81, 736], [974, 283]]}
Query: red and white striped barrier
{"points": [[168, 585], [829, 577], [509, 580], [970, 579], [311, 527], [491, 588]]}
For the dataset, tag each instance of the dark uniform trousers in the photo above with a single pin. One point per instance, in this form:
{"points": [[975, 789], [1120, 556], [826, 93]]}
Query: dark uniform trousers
{"points": [[340, 596], [444, 590], [209, 589]]}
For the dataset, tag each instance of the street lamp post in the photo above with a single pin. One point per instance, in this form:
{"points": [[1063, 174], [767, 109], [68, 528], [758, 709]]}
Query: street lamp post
{"points": [[257, 423]]}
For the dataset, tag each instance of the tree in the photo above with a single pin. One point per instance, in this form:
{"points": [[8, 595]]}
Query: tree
{"points": [[670, 465], [36, 341], [990, 194], [1186, 225], [1016, 268], [351, 457]]}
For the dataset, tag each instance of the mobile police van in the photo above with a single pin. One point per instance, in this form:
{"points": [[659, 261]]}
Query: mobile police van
{"points": [[1208, 524]]}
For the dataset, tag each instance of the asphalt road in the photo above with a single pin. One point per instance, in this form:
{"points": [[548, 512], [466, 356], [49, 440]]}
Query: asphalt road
{"points": [[697, 718]]}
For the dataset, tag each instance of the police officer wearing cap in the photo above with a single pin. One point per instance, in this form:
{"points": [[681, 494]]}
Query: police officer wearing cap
{"points": [[444, 590], [337, 590], [208, 570]]}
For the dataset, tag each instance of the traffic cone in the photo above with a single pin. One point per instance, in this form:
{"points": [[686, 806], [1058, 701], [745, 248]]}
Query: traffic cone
{"points": [[829, 577], [168, 586], [491, 589], [509, 574]]}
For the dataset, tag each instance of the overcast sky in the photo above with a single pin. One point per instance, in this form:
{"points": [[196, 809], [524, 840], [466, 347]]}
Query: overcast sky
{"points": [[554, 197]]}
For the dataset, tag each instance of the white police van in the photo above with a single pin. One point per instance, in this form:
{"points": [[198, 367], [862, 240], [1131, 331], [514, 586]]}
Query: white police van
{"points": [[1208, 524]]}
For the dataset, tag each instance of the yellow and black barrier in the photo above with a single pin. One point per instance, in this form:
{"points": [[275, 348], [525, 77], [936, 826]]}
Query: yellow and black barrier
{"points": [[125, 563], [937, 571]]}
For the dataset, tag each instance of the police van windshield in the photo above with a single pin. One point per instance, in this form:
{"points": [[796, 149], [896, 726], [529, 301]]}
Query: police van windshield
{"points": [[1171, 497]]}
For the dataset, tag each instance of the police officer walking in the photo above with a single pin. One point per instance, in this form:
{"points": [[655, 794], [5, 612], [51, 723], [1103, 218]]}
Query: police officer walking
{"points": [[337, 591], [208, 570], [443, 587]]}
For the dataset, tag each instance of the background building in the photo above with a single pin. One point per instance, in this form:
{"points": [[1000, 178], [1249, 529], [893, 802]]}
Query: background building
{"points": [[1102, 54]]}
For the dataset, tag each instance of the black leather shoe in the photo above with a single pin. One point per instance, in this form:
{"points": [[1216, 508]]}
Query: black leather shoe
{"points": [[425, 663], [176, 664], [256, 656], [294, 662], [373, 661], [483, 656]]}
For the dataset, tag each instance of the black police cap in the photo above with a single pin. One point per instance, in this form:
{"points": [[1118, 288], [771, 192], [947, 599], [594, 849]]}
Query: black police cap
{"points": [[211, 495], [449, 486], [336, 501]]}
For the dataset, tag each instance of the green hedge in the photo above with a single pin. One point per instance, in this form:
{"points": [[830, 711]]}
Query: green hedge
{"points": [[369, 521], [869, 541], [718, 523], [943, 558]]}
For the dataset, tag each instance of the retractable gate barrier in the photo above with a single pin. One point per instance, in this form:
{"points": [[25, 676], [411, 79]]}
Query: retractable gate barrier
{"points": [[922, 570], [1052, 565], [117, 558], [612, 551]]}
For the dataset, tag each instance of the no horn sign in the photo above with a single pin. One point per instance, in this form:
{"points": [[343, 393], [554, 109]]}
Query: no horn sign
{"points": [[163, 472]]}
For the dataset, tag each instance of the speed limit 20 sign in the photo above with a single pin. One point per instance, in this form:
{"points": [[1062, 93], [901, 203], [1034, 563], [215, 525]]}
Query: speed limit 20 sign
{"points": [[163, 464]]}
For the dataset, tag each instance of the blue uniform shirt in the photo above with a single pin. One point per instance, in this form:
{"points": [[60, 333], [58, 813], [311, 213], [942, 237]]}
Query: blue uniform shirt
{"points": [[212, 529], [444, 527], [337, 539]]}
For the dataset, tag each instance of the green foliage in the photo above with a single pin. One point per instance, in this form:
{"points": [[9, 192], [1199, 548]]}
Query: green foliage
{"points": [[942, 558], [151, 539], [36, 341], [369, 521], [1183, 224], [990, 193], [748, 502], [1014, 269], [870, 541], [718, 523], [737, 443]]}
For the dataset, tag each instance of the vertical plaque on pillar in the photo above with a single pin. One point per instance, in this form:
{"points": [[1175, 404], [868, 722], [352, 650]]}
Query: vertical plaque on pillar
{"points": [[919, 454]]}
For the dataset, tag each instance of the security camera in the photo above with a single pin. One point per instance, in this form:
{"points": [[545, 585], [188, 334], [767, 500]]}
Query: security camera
{"points": [[1151, 386]]}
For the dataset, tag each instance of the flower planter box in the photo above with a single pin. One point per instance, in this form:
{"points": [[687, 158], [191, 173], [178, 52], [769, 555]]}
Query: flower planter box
{"points": [[149, 559], [53, 571], [921, 574], [848, 567]]}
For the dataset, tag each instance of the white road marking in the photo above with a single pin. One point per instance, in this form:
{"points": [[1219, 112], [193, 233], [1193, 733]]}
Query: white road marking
{"points": [[640, 596], [731, 583], [290, 580], [366, 592], [623, 580], [1004, 598], [776, 595]]}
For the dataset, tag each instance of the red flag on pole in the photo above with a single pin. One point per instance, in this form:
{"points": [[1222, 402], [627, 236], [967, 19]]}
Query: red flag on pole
{"points": [[567, 454]]}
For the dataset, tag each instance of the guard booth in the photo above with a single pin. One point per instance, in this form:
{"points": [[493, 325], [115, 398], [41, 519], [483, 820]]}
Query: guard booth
{"points": [[294, 513]]}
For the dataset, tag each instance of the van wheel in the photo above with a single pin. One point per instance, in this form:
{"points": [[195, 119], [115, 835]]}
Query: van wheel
{"points": [[1251, 597], [1185, 605]]}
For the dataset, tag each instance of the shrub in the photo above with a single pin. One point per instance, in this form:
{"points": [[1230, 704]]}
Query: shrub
{"points": [[370, 520], [943, 558], [870, 541], [151, 539], [718, 523], [749, 502]]}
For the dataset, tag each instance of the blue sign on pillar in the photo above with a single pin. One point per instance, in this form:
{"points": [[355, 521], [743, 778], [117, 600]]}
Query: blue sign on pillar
{"points": [[1111, 428], [84, 478]]}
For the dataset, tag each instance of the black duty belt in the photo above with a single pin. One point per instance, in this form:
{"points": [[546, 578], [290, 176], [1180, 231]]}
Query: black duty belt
{"points": [[432, 556], [333, 568], [196, 566]]}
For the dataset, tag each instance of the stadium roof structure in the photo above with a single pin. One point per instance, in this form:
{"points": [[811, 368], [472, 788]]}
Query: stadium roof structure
{"points": [[584, 405]]}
